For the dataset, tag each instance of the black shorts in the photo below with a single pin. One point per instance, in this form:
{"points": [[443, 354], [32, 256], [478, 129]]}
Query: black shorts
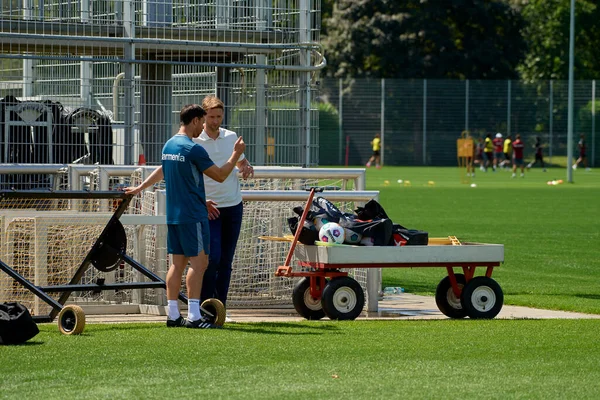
{"points": [[376, 153]]}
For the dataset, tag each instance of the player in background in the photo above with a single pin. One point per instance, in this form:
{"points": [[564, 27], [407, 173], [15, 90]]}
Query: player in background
{"points": [[376, 157], [507, 149], [582, 153], [518, 147], [479, 159], [539, 156], [488, 151], [498, 154]]}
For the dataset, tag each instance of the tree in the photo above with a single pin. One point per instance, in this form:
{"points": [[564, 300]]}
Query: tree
{"points": [[473, 39], [547, 35]]}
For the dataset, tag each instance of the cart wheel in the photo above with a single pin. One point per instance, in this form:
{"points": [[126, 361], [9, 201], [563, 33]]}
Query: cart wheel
{"points": [[305, 305], [71, 320], [447, 301], [216, 308], [482, 298], [343, 298]]}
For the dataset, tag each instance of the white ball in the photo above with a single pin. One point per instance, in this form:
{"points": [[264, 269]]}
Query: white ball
{"points": [[331, 233], [367, 241], [352, 237]]}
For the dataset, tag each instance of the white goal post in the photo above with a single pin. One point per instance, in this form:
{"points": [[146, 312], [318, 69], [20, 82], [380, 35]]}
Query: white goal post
{"points": [[268, 201]]}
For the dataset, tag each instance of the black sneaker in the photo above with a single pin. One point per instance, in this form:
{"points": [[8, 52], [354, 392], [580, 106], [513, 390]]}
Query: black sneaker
{"points": [[201, 323], [175, 323]]}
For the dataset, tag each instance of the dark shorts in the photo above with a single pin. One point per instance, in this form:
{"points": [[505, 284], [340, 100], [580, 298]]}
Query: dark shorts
{"points": [[487, 156], [498, 155], [376, 153], [507, 156], [518, 161], [188, 239], [539, 157]]}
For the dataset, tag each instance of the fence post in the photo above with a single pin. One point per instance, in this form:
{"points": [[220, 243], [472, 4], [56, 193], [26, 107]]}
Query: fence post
{"points": [[340, 120], [593, 122], [466, 105], [382, 123], [424, 121], [508, 106], [551, 121]]}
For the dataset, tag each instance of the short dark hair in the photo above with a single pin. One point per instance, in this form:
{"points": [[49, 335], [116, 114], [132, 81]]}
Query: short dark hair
{"points": [[189, 112]]}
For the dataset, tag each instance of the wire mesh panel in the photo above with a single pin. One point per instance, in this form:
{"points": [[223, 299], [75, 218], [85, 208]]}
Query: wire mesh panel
{"points": [[136, 63]]}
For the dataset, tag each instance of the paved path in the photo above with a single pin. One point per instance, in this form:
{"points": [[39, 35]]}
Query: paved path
{"points": [[393, 307]]}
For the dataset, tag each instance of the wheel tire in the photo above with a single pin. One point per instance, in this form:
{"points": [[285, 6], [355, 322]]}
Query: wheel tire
{"points": [[446, 300], [305, 305], [71, 320], [482, 298], [216, 308], [343, 299]]}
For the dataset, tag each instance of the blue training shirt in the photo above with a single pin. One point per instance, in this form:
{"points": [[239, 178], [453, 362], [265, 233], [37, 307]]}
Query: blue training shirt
{"points": [[183, 163]]}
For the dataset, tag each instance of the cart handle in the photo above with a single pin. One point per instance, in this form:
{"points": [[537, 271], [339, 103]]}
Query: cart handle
{"points": [[286, 269]]}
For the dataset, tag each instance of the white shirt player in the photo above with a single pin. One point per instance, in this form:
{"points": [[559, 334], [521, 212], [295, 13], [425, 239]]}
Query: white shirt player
{"points": [[228, 193]]}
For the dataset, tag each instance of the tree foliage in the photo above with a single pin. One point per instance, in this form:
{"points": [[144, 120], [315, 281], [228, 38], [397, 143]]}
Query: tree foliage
{"points": [[473, 39], [547, 35]]}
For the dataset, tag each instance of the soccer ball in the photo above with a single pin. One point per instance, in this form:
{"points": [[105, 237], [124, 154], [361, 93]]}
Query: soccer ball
{"points": [[367, 241], [320, 221], [331, 233], [351, 236]]}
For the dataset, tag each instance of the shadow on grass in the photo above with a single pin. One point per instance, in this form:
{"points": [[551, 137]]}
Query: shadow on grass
{"points": [[588, 296], [310, 328]]}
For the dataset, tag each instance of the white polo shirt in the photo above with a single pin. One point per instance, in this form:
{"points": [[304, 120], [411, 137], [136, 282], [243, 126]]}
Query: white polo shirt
{"points": [[228, 193]]}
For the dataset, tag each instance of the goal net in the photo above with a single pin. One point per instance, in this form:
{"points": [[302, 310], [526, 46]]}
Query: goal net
{"points": [[47, 240]]}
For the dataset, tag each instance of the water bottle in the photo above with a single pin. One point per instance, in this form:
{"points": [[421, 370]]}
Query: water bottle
{"points": [[393, 290]]}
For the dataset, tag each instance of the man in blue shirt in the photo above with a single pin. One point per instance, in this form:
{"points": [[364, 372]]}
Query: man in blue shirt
{"points": [[188, 238]]}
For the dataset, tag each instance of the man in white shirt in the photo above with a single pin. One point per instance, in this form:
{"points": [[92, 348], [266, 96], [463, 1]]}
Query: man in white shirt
{"points": [[224, 201]]}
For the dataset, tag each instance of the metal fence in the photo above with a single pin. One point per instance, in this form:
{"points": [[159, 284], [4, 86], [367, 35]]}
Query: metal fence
{"points": [[420, 120], [103, 81]]}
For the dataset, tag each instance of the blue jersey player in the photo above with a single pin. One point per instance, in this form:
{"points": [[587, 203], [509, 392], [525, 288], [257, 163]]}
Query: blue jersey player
{"points": [[188, 238]]}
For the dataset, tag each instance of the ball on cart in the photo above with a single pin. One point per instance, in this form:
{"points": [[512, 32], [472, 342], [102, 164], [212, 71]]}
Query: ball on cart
{"points": [[351, 237], [332, 233]]}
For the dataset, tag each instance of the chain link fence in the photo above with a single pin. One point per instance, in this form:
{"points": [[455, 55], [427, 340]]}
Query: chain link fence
{"points": [[420, 120]]}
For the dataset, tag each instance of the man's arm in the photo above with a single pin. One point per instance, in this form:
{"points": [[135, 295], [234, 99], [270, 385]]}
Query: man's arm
{"points": [[155, 177], [221, 173], [245, 168]]}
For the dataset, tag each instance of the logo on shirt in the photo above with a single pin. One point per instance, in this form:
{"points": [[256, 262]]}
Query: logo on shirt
{"points": [[173, 157]]}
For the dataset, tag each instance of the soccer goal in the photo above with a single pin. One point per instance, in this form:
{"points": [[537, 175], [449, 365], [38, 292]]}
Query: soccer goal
{"points": [[47, 239]]}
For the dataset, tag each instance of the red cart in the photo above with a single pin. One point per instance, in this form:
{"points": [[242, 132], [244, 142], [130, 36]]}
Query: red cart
{"points": [[326, 289]]}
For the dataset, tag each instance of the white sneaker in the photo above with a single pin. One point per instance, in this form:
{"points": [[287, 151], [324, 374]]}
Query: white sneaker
{"points": [[522, 175], [513, 175], [228, 319], [588, 169], [574, 166]]}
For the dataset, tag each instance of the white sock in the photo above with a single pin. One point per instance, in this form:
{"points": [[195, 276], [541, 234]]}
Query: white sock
{"points": [[193, 310], [173, 309]]}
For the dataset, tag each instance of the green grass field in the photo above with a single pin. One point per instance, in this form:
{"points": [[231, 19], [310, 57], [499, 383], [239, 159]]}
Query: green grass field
{"points": [[551, 233], [551, 243]]}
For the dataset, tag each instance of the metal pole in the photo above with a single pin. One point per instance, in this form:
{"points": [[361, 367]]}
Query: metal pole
{"points": [[340, 121], [382, 123], [424, 121], [304, 35], [551, 121], [593, 122], [508, 107], [467, 105], [570, 113]]}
